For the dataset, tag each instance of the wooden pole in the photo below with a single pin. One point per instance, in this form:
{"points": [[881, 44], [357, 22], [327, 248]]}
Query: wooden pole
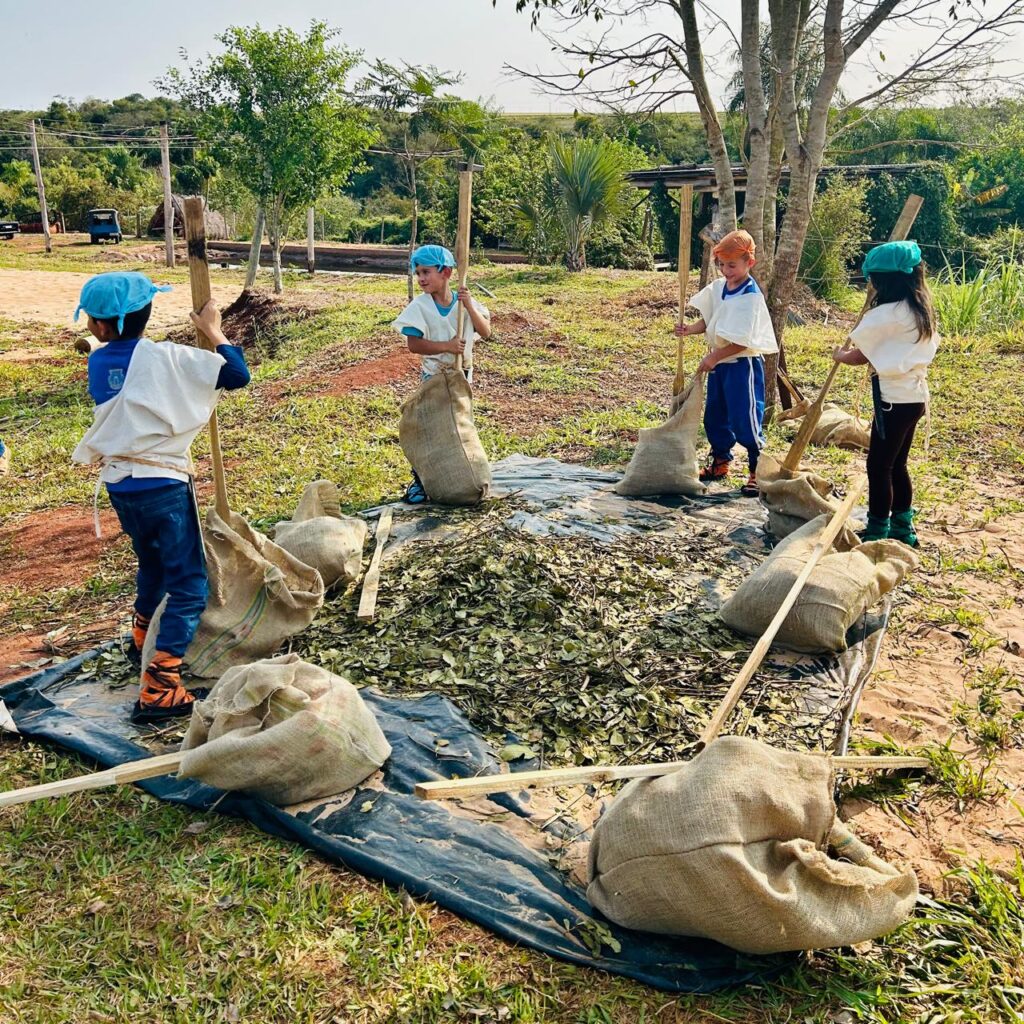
{"points": [[311, 240], [199, 279], [371, 583], [165, 173], [791, 462], [753, 662], [131, 771], [462, 232], [513, 782], [683, 262], [41, 190]]}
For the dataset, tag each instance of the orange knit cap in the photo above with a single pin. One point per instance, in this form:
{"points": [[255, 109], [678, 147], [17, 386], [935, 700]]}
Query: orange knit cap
{"points": [[734, 245]]}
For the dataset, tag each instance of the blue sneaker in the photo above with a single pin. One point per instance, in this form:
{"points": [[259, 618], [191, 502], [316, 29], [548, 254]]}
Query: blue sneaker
{"points": [[415, 495]]}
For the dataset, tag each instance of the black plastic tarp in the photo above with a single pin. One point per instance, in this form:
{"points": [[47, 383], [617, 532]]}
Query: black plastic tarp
{"points": [[471, 866]]}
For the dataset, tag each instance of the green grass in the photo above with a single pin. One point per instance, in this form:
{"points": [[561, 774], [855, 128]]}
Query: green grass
{"points": [[110, 910]]}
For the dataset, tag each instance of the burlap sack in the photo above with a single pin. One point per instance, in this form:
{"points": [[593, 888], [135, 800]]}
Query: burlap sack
{"points": [[259, 596], [793, 499], [319, 535], [842, 586], [439, 439], [838, 428], [283, 730], [732, 847], [665, 458]]}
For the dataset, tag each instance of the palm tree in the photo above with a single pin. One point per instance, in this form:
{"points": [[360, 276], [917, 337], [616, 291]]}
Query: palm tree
{"points": [[588, 189]]}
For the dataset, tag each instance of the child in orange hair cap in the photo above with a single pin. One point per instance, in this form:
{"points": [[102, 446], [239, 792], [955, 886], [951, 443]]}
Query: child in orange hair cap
{"points": [[735, 319]]}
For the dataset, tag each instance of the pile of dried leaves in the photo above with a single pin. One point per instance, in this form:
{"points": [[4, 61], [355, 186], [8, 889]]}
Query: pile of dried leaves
{"points": [[584, 651]]}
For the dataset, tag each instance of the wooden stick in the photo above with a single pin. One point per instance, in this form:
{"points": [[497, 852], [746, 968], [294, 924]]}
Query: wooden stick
{"points": [[199, 278], [512, 782], [368, 598], [753, 662], [130, 771], [791, 462], [44, 214], [685, 229], [462, 234]]}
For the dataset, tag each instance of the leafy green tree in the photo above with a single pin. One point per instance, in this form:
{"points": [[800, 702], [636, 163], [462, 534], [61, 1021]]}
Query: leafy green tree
{"points": [[18, 196], [274, 107], [583, 188], [425, 123]]}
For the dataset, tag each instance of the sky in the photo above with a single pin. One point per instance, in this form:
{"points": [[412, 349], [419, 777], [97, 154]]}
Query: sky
{"points": [[111, 48]]}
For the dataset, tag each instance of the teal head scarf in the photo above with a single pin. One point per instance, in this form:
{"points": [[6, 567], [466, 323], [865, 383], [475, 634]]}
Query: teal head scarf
{"points": [[892, 257], [117, 294]]}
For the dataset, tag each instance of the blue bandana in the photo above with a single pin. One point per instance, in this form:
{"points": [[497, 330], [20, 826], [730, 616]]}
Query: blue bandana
{"points": [[431, 256], [892, 256], [117, 294]]}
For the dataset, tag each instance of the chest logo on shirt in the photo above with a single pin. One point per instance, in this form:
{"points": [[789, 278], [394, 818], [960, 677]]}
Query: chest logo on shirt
{"points": [[115, 379]]}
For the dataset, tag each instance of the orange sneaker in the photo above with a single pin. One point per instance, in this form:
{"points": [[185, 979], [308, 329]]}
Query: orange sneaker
{"points": [[750, 488], [161, 695], [716, 469]]}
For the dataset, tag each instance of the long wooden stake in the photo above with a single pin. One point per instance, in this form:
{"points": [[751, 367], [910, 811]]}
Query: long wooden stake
{"points": [[368, 598], [512, 782], [683, 262], [311, 240], [462, 233], [131, 771], [791, 462], [753, 662], [199, 278], [165, 174], [41, 190]]}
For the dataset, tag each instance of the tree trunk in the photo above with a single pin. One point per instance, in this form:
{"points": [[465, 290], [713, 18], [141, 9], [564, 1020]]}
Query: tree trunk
{"points": [[758, 134], [274, 225], [694, 71], [254, 249]]}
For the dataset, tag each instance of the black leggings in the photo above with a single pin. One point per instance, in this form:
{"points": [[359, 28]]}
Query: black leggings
{"points": [[889, 487]]}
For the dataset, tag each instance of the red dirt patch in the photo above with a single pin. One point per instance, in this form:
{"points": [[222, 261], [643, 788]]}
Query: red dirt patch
{"points": [[51, 549], [399, 364]]}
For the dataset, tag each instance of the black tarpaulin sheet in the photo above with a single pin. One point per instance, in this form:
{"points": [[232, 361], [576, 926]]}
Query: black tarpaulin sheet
{"points": [[463, 860]]}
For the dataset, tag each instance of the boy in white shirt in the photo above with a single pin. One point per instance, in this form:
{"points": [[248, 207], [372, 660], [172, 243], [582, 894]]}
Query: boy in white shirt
{"points": [[739, 332], [897, 336], [430, 326]]}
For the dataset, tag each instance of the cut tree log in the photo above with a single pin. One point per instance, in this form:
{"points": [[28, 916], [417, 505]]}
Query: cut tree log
{"points": [[368, 598]]}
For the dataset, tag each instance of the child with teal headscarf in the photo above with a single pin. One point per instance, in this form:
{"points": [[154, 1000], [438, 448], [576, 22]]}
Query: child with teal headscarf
{"points": [[897, 337]]}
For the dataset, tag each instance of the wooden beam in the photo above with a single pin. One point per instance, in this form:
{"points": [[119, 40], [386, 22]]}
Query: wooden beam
{"points": [[131, 771], [513, 782], [368, 598], [199, 279]]}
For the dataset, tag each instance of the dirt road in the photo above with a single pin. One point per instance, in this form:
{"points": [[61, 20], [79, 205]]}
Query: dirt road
{"points": [[50, 297]]}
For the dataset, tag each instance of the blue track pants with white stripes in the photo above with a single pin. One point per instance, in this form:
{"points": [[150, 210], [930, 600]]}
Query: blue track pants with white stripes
{"points": [[735, 408]]}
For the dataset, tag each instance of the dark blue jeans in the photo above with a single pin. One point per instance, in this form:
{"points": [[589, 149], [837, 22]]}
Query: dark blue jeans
{"points": [[164, 529]]}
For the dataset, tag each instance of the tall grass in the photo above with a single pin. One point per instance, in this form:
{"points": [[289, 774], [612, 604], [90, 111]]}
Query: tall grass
{"points": [[981, 301]]}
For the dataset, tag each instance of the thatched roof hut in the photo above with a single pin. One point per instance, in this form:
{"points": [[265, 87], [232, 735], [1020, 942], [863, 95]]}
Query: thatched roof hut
{"points": [[216, 226]]}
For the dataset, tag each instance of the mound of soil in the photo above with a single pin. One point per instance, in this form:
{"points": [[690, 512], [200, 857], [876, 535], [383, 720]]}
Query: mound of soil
{"points": [[526, 329], [399, 364]]}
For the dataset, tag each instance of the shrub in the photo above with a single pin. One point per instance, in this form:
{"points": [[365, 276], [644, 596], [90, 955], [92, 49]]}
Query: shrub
{"points": [[617, 246], [937, 228], [836, 235]]}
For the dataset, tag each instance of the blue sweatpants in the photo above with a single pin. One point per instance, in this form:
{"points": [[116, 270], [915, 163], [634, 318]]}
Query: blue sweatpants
{"points": [[734, 410], [164, 529]]}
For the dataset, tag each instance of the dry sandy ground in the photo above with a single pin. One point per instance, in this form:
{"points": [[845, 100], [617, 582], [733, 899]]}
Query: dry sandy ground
{"points": [[50, 297]]}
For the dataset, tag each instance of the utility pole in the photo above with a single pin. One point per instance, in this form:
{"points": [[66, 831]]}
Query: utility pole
{"points": [[41, 189], [311, 240], [165, 170]]}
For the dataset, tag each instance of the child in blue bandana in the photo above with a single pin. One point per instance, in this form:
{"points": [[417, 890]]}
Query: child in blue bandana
{"points": [[151, 401], [430, 326]]}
